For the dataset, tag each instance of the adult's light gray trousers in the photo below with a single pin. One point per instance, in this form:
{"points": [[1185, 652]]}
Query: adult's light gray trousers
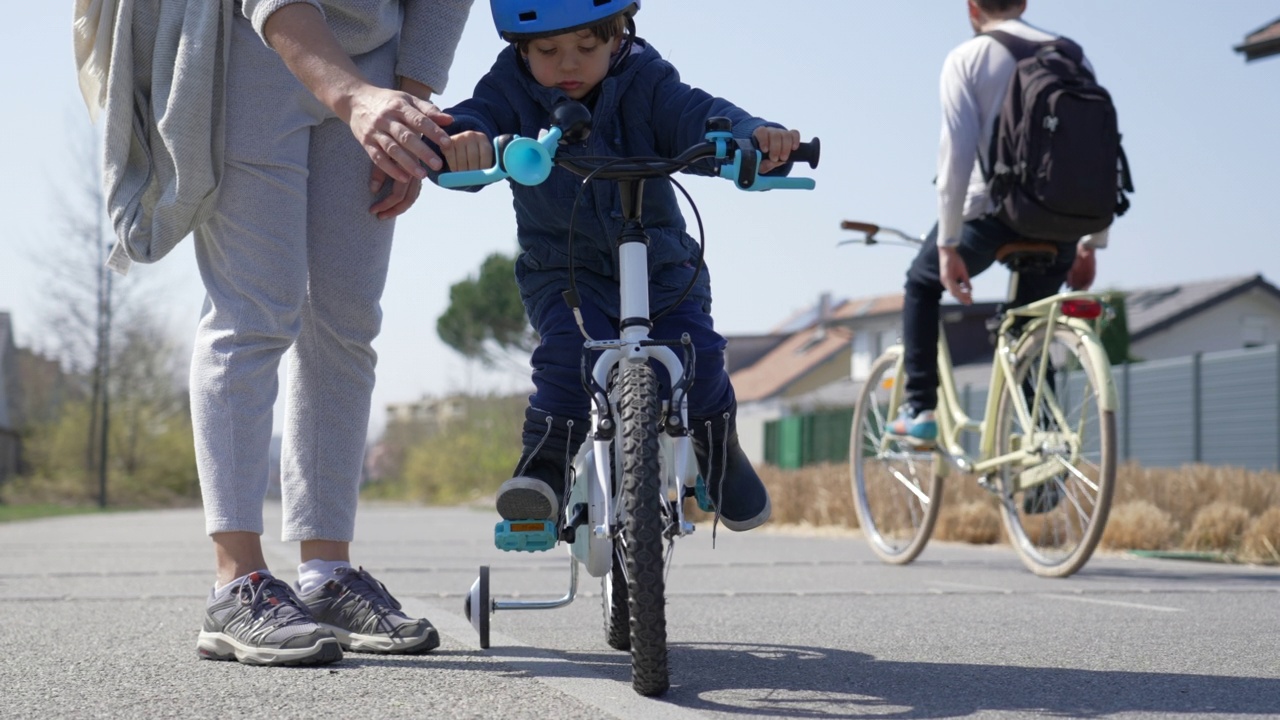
{"points": [[294, 265]]}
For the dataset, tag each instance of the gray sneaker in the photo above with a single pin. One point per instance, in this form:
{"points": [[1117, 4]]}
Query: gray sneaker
{"points": [[365, 618], [262, 622]]}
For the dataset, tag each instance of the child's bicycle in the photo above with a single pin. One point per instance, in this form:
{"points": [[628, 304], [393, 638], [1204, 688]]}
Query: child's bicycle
{"points": [[1047, 439], [631, 476]]}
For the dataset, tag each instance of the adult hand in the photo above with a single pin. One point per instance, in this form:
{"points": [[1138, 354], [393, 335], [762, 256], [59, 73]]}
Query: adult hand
{"points": [[1084, 269], [401, 198], [390, 125], [776, 144], [402, 195], [954, 275]]}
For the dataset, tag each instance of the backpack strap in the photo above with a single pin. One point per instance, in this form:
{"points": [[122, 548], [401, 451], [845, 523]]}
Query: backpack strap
{"points": [[1021, 48], [1126, 184]]}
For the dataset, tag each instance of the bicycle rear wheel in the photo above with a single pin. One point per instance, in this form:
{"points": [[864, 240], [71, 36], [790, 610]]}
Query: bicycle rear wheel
{"points": [[642, 526], [897, 488], [1055, 510]]}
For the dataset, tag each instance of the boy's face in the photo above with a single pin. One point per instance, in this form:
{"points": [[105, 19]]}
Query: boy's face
{"points": [[574, 62]]}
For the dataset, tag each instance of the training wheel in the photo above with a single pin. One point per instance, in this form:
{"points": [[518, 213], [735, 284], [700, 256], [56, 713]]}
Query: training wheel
{"points": [[478, 606]]}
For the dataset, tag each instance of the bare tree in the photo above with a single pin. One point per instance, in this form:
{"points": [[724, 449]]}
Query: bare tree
{"points": [[82, 299]]}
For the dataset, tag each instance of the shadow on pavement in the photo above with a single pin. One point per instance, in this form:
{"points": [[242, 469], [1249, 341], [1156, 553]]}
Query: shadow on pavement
{"points": [[810, 682]]}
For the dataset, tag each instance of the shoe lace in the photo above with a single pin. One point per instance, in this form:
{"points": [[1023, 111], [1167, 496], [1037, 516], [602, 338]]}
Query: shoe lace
{"points": [[271, 601], [724, 464], [358, 582]]}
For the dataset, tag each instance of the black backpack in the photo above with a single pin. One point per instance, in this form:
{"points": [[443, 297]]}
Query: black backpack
{"points": [[1057, 171]]}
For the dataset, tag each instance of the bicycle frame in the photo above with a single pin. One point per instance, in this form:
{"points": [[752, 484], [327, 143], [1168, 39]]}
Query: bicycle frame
{"points": [[606, 481], [953, 421], [635, 346]]}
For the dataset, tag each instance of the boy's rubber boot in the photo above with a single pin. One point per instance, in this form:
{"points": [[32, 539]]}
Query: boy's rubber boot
{"points": [[733, 487], [536, 488]]}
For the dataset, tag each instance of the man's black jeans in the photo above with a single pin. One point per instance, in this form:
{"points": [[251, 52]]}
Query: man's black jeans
{"points": [[979, 241]]}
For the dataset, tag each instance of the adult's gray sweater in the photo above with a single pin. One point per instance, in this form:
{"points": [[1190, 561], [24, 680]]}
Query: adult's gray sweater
{"points": [[165, 64]]}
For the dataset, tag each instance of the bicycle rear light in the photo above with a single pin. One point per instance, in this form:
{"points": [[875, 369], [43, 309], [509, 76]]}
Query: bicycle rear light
{"points": [[1082, 308]]}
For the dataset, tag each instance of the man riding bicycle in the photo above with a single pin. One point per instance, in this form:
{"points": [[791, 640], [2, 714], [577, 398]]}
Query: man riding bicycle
{"points": [[972, 225]]}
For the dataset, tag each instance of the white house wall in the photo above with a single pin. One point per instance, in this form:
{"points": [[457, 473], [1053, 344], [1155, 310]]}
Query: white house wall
{"points": [[1251, 319], [751, 420]]}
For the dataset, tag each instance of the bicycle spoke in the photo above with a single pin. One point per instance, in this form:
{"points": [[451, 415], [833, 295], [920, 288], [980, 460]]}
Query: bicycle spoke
{"points": [[894, 486], [1079, 475], [911, 485]]}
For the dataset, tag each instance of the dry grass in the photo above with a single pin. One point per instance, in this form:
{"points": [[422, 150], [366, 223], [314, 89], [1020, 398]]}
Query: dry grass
{"points": [[1217, 526], [1139, 525], [1261, 541], [976, 522], [1204, 507]]}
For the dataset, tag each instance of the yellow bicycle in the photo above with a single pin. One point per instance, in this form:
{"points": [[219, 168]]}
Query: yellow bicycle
{"points": [[1047, 438]]}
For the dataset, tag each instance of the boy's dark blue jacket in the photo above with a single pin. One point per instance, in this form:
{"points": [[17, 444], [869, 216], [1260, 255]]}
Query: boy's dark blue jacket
{"points": [[641, 109]]}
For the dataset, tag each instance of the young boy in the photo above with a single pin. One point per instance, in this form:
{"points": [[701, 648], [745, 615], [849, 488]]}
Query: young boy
{"points": [[587, 51]]}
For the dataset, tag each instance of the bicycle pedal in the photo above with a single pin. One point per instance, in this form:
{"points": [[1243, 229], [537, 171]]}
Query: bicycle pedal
{"points": [[525, 535], [703, 498]]}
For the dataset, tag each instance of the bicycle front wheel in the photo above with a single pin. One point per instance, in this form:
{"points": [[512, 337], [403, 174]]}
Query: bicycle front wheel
{"points": [[897, 488], [642, 526], [1055, 505], [617, 613]]}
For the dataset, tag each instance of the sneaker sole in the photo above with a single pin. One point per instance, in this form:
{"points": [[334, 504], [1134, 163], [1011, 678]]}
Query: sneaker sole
{"points": [[753, 523], [526, 499], [217, 646], [916, 443], [385, 645]]}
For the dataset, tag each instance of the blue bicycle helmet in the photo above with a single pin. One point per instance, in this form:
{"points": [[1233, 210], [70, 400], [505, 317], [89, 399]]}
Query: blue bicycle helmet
{"points": [[529, 19]]}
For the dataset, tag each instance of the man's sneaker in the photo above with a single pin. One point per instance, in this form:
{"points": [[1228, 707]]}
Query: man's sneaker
{"points": [[918, 428], [365, 618], [261, 622], [534, 493]]}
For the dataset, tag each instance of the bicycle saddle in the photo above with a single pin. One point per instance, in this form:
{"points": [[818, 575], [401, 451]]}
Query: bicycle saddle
{"points": [[1027, 257]]}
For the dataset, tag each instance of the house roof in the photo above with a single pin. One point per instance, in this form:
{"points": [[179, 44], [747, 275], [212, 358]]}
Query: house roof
{"points": [[1148, 310], [791, 360], [807, 317], [1263, 42], [743, 351], [1152, 309], [868, 307]]}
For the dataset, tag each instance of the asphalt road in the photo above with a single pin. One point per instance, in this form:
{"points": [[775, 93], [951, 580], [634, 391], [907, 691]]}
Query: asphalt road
{"points": [[99, 616]]}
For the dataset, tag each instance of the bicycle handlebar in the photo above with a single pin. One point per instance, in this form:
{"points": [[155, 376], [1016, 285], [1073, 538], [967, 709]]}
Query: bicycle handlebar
{"points": [[871, 230], [529, 161]]}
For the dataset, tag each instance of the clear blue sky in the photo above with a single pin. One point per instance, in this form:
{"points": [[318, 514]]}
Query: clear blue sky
{"points": [[1199, 124]]}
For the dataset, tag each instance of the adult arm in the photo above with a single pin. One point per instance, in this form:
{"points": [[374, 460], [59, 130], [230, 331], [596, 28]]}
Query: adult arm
{"points": [[957, 152], [388, 123], [428, 40]]}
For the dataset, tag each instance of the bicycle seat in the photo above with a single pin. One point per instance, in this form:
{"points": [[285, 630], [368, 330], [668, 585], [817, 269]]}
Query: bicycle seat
{"points": [[1027, 257]]}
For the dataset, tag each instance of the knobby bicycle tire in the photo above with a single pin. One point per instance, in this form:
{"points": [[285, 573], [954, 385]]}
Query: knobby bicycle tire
{"points": [[642, 527], [1042, 527], [613, 589], [895, 521]]}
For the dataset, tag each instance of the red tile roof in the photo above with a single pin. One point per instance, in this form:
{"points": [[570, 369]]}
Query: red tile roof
{"points": [[1263, 42], [790, 361]]}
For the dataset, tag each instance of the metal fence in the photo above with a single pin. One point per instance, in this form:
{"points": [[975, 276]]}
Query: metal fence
{"points": [[1218, 408]]}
